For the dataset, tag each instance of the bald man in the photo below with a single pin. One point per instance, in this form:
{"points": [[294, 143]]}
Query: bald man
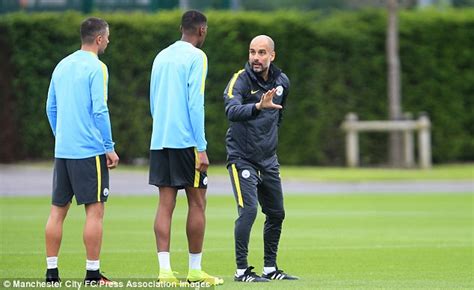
{"points": [[254, 101]]}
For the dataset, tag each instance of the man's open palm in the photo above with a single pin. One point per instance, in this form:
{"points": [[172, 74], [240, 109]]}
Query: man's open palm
{"points": [[266, 102]]}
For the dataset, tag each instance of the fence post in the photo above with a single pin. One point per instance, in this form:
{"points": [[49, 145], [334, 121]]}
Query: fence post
{"points": [[352, 141], [424, 141], [408, 144]]}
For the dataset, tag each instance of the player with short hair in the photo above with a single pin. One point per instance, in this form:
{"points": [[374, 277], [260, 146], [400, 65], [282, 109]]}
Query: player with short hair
{"points": [[84, 151], [178, 158], [254, 99]]}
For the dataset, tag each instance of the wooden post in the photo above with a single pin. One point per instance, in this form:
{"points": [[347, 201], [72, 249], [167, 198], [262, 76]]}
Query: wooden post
{"points": [[352, 142], [394, 83], [424, 141], [408, 144], [352, 126]]}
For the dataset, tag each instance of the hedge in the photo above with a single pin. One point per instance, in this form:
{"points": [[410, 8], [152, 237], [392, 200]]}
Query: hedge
{"points": [[336, 64]]}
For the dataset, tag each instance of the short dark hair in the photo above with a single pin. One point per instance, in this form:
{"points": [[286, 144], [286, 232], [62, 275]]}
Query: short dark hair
{"points": [[192, 20], [91, 27]]}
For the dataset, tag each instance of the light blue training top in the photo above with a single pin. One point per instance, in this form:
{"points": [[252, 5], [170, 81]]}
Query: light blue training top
{"points": [[77, 107], [177, 97]]}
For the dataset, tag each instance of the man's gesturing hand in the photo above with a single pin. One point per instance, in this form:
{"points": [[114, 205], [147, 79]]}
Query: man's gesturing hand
{"points": [[266, 102]]}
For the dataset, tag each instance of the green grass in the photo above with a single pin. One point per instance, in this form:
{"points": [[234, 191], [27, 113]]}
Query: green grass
{"points": [[342, 174], [342, 241], [440, 172]]}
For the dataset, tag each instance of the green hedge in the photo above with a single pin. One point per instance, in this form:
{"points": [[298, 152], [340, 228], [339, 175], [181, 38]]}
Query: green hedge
{"points": [[336, 64]]}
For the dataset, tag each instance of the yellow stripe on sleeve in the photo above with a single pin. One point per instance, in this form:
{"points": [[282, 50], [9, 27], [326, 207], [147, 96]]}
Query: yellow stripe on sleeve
{"points": [[232, 83], [197, 174], [237, 185], [104, 73], [204, 72], [99, 177]]}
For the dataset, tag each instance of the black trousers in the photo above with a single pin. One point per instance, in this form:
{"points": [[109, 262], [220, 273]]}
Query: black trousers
{"points": [[253, 184]]}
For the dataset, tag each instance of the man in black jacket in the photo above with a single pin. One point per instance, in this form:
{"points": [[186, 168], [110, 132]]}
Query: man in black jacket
{"points": [[254, 99]]}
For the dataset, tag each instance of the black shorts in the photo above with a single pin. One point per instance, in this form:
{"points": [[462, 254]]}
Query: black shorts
{"points": [[87, 179], [176, 168]]}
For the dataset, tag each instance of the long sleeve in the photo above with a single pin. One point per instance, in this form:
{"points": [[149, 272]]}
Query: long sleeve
{"points": [[285, 96], [152, 89], [99, 106], [196, 100], [235, 109], [51, 107]]}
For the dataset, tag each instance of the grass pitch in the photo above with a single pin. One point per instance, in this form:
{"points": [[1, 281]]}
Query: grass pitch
{"points": [[461, 171], [339, 241]]}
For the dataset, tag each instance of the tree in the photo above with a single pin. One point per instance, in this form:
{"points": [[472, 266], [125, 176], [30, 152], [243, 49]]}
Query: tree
{"points": [[394, 83]]}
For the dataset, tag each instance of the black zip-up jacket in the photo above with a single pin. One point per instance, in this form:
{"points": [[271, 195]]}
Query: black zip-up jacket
{"points": [[253, 134]]}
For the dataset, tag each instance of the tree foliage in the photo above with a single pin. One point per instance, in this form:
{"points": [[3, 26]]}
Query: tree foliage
{"points": [[336, 65]]}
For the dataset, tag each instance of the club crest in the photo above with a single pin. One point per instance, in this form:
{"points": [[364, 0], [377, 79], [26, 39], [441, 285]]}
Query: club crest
{"points": [[245, 174], [279, 91]]}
